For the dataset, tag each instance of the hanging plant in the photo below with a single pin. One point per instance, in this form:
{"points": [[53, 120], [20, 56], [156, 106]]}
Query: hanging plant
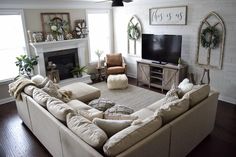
{"points": [[210, 37], [133, 31]]}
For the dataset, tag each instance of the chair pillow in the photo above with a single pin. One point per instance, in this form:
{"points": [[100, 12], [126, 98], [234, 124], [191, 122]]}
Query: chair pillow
{"points": [[111, 126], [131, 135], [58, 108], [171, 110], [114, 59], [86, 130], [197, 94]]}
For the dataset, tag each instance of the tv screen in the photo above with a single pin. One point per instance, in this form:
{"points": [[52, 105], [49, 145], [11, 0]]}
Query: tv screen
{"points": [[161, 48]]}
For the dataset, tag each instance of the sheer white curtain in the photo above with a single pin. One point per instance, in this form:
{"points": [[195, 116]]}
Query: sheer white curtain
{"points": [[12, 43], [99, 25]]}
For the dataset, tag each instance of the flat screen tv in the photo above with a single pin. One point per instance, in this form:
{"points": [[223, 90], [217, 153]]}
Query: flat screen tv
{"points": [[161, 48]]}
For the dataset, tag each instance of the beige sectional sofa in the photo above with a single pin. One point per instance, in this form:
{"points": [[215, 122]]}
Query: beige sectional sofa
{"points": [[175, 138]]}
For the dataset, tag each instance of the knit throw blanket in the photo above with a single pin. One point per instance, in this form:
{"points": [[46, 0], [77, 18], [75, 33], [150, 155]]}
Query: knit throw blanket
{"points": [[16, 87]]}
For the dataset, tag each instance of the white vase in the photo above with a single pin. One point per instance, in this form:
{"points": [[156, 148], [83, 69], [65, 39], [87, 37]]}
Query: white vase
{"points": [[99, 63]]}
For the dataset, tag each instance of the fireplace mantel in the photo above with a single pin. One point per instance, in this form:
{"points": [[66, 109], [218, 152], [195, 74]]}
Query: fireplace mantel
{"points": [[47, 47]]}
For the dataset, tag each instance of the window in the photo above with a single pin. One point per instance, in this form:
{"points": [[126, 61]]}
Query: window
{"points": [[99, 25], [12, 41]]}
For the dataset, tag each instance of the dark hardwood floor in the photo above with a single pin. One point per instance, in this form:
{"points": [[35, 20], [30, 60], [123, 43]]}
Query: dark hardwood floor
{"points": [[16, 140]]}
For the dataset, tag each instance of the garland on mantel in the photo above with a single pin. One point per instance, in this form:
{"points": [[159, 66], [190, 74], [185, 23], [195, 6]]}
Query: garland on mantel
{"points": [[210, 37]]}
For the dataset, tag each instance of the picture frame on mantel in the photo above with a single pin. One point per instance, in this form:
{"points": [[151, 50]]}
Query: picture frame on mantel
{"points": [[176, 15], [57, 17]]}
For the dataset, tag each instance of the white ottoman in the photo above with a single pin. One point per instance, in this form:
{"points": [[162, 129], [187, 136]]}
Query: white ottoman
{"points": [[119, 81]]}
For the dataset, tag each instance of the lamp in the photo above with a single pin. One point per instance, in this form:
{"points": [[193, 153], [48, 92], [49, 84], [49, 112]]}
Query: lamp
{"points": [[117, 3]]}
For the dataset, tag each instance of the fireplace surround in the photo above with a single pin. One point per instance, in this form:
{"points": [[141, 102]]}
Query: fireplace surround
{"points": [[53, 48]]}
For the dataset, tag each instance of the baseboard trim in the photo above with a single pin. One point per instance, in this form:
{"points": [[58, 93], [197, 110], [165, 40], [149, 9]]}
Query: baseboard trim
{"points": [[6, 100], [131, 75], [227, 99]]}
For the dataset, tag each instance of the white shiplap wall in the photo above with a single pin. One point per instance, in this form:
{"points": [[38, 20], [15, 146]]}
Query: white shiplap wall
{"points": [[222, 80]]}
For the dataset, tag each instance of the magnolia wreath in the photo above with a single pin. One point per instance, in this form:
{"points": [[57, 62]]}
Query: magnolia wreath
{"points": [[210, 37]]}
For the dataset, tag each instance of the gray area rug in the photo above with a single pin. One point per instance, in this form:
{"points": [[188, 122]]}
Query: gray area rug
{"points": [[133, 96]]}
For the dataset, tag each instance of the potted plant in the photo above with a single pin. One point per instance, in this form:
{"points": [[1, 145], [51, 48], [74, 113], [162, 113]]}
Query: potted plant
{"points": [[26, 65], [78, 71]]}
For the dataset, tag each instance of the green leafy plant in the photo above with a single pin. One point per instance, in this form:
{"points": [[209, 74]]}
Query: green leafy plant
{"points": [[26, 64], [78, 71]]}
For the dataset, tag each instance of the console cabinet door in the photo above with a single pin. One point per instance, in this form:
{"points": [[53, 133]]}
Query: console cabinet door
{"points": [[143, 73], [170, 76]]}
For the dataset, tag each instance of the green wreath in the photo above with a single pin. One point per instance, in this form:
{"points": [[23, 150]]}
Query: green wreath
{"points": [[210, 37], [133, 32]]}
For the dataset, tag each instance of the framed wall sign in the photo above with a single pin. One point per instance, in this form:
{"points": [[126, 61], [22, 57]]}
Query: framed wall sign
{"points": [[168, 15]]}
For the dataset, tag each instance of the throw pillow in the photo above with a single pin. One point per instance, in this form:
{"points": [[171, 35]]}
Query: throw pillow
{"points": [[111, 126], [131, 135], [37, 79], [86, 130], [101, 104], [52, 89], [184, 87], [119, 112], [91, 113], [171, 95]]}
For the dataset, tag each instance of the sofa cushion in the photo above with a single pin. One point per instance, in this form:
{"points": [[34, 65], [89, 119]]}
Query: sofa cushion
{"points": [[82, 91], [173, 109], [58, 108], [197, 94], [114, 59], [91, 113], [86, 130], [78, 105], [29, 90], [111, 126], [156, 105], [116, 70], [101, 104], [143, 113], [40, 97], [131, 135]]}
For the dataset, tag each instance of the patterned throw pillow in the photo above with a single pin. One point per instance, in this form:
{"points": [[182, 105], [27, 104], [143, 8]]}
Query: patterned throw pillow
{"points": [[171, 95], [101, 104], [119, 112]]}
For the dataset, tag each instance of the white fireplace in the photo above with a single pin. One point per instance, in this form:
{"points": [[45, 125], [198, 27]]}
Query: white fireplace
{"points": [[47, 47]]}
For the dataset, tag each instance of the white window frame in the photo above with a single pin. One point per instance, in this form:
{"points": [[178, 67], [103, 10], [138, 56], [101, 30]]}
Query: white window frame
{"points": [[21, 13], [109, 11]]}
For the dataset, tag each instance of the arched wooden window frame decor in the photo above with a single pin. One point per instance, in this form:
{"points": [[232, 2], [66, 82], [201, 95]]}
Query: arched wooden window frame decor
{"points": [[134, 21], [221, 44]]}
